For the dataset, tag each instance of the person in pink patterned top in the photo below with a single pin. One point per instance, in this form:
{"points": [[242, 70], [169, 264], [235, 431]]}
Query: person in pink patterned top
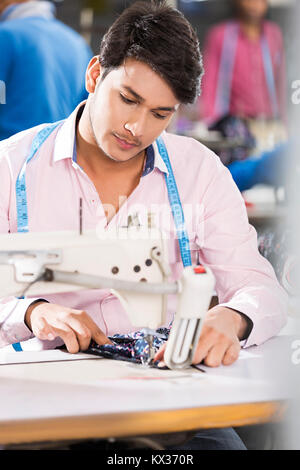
{"points": [[244, 64]]}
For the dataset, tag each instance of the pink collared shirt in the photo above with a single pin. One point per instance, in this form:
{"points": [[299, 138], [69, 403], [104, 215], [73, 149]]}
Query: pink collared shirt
{"points": [[215, 214]]}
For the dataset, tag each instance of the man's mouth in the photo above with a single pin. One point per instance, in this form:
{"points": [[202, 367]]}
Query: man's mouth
{"points": [[125, 144]]}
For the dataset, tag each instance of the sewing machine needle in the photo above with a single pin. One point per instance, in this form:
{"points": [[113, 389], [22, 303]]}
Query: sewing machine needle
{"points": [[146, 360]]}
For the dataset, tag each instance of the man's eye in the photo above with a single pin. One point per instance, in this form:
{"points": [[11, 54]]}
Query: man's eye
{"points": [[160, 116], [126, 100]]}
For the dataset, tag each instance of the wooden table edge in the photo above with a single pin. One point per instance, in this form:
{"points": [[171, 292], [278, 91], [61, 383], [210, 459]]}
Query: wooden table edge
{"points": [[139, 423]]}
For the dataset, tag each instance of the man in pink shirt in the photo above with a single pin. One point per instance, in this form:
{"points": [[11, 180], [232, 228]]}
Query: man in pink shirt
{"points": [[244, 65], [106, 152]]}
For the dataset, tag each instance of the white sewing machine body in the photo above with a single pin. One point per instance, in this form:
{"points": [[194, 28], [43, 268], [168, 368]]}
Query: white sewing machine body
{"points": [[130, 261], [127, 259]]}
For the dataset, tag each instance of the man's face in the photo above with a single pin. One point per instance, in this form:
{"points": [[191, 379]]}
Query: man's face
{"points": [[129, 109], [254, 10]]}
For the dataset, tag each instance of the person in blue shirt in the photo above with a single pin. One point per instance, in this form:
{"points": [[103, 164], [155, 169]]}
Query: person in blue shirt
{"points": [[42, 66], [269, 168]]}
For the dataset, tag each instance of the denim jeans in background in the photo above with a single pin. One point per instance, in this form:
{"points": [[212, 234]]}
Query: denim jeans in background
{"points": [[206, 439], [213, 439]]}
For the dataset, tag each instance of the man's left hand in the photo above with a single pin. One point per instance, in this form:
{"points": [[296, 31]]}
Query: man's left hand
{"points": [[219, 342]]}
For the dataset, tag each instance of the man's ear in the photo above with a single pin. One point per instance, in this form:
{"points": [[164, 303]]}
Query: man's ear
{"points": [[92, 74]]}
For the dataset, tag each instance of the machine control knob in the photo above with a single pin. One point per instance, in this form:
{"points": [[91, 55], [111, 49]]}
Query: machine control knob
{"points": [[199, 270]]}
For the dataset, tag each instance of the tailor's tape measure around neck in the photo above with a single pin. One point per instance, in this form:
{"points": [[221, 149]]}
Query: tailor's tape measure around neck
{"points": [[21, 197], [175, 203]]}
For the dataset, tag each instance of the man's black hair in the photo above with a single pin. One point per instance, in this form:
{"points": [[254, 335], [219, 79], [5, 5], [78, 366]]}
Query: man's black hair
{"points": [[160, 36]]}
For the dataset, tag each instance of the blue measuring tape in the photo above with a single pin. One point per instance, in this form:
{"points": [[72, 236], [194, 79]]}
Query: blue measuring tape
{"points": [[21, 198], [175, 203], [222, 102], [177, 211]]}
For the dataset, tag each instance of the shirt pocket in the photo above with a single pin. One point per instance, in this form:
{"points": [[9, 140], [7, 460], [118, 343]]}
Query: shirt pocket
{"points": [[175, 257]]}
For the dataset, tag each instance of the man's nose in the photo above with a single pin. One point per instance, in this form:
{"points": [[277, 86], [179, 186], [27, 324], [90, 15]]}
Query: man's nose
{"points": [[136, 124]]}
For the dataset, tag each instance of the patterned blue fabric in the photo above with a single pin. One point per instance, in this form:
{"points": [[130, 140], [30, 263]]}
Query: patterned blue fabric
{"points": [[132, 347]]}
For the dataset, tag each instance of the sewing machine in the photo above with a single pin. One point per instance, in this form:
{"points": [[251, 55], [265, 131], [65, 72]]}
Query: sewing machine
{"points": [[132, 262]]}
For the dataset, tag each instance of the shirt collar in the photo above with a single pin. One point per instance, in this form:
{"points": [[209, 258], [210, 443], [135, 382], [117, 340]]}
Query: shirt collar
{"points": [[158, 161], [65, 144], [65, 138]]}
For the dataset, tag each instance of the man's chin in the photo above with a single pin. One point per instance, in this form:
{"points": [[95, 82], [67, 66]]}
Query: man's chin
{"points": [[120, 157]]}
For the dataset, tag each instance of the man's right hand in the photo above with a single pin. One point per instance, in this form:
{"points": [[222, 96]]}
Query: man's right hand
{"points": [[75, 327]]}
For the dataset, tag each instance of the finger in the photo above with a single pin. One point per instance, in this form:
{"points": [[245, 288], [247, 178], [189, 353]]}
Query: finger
{"points": [[96, 334], [206, 341], [215, 355], [232, 354], [68, 336], [42, 330], [100, 337], [160, 353], [81, 331], [161, 365]]}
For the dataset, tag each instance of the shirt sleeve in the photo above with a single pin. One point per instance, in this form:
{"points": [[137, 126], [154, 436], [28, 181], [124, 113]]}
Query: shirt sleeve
{"points": [[12, 310], [245, 280], [12, 326]]}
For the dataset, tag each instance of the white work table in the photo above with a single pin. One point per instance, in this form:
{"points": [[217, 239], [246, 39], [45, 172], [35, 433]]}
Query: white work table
{"points": [[89, 398]]}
